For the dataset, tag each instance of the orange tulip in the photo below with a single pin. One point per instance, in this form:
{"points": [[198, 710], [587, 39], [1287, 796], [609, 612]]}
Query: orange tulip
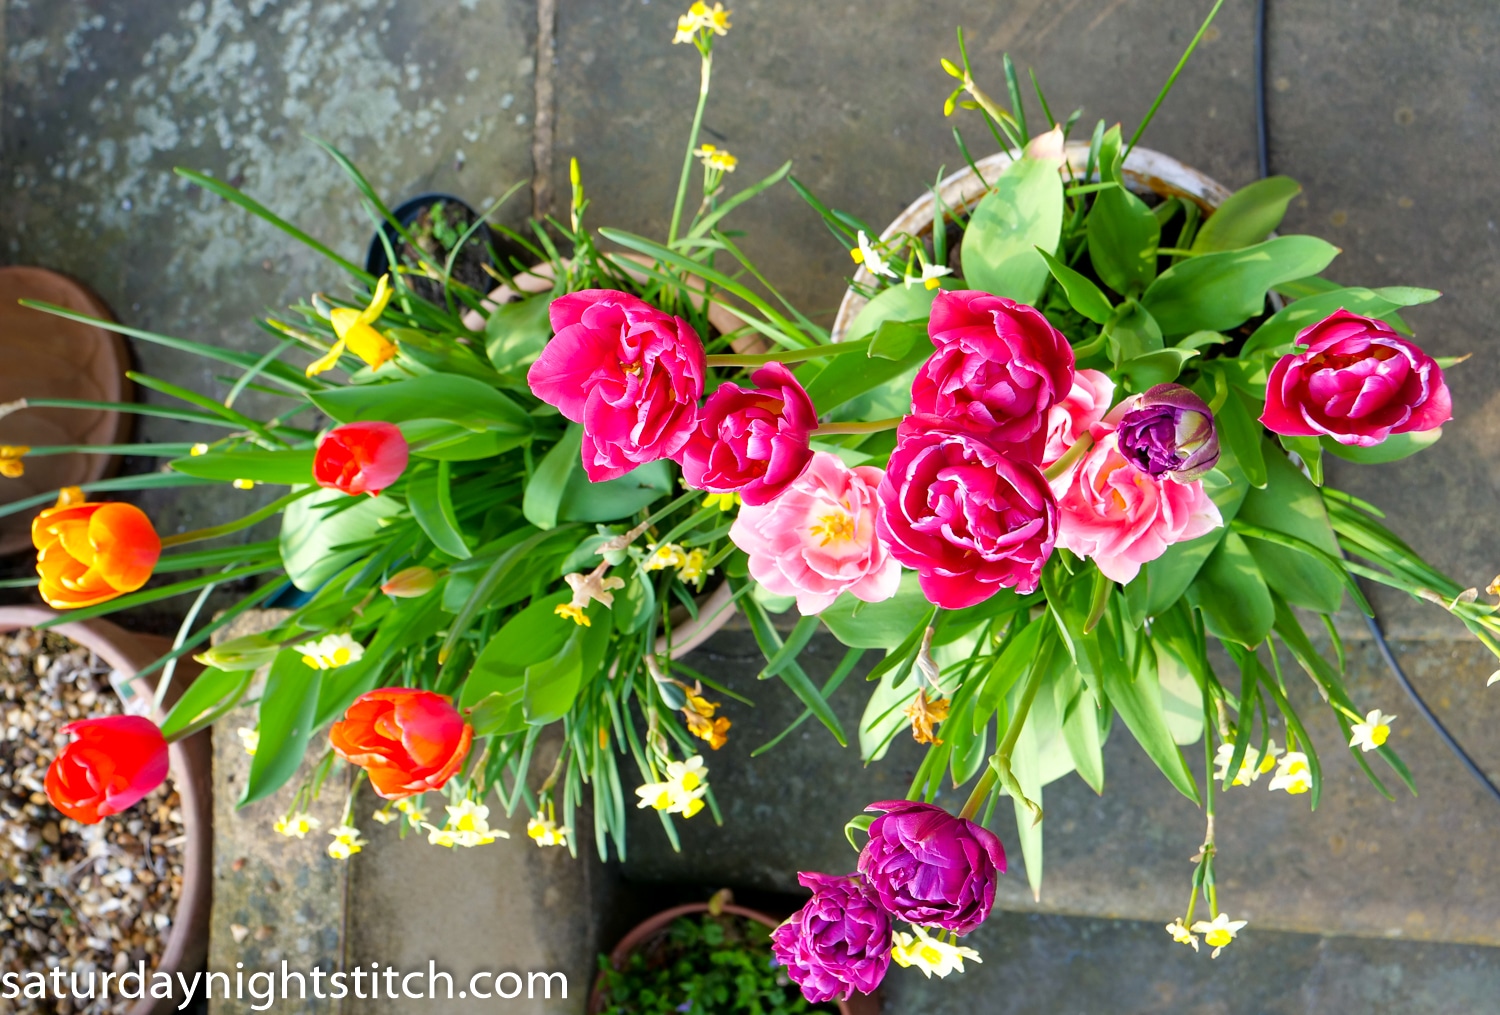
{"points": [[91, 553]]}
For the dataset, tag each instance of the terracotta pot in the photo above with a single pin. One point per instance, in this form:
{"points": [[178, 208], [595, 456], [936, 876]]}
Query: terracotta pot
{"points": [[49, 357], [1145, 172], [859, 1004], [126, 652]]}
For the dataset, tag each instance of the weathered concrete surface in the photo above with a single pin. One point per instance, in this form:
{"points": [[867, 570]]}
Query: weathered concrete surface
{"points": [[102, 99], [1416, 867], [1070, 966], [276, 899]]}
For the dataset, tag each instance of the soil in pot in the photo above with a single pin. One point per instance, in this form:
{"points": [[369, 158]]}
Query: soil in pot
{"points": [[83, 898], [702, 964], [436, 225]]}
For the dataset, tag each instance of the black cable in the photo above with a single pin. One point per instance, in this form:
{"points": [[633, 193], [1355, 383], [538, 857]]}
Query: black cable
{"points": [[1263, 154]]}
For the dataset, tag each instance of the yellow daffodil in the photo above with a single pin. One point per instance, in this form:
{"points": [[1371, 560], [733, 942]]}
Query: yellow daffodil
{"points": [[355, 330], [331, 651], [198, 449], [692, 567], [716, 158], [1292, 773], [725, 502], [1252, 766], [931, 277], [544, 832], [664, 556], [468, 826], [1218, 932], [296, 826], [346, 842], [573, 613], [1181, 934], [700, 18], [866, 254], [932, 955], [1373, 732], [682, 790], [11, 466], [249, 738]]}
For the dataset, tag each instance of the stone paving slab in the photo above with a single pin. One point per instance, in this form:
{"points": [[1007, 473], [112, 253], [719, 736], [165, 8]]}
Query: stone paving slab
{"points": [[1418, 867]]}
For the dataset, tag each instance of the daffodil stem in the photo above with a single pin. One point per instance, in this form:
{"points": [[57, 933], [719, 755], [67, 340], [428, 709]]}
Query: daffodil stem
{"points": [[787, 355], [1080, 448], [1001, 759], [215, 531], [687, 158], [875, 426]]}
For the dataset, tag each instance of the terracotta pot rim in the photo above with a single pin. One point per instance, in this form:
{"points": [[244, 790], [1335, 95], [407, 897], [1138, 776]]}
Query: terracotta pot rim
{"points": [[652, 925], [187, 942]]}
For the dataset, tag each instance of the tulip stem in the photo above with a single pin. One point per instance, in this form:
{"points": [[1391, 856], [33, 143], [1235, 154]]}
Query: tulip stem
{"points": [[1080, 448], [787, 355], [875, 426], [215, 531], [998, 770]]}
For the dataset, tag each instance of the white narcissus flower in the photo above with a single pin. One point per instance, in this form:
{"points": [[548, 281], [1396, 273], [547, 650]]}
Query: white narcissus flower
{"points": [[682, 790], [331, 651], [1218, 932], [931, 276], [1252, 766], [545, 832], [1180, 933], [867, 255], [346, 842], [1373, 732], [296, 826], [1293, 774], [932, 955], [468, 826]]}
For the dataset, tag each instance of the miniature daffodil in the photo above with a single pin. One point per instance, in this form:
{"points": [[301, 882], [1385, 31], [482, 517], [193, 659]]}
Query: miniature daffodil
{"points": [[1252, 766], [664, 556], [700, 17], [682, 790], [545, 832], [249, 739], [715, 158], [692, 566], [1373, 732], [1292, 774], [331, 651], [725, 502], [346, 842], [1218, 932], [932, 955], [468, 826], [355, 330], [931, 277], [296, 826], [866, 254], [1181, 934]]}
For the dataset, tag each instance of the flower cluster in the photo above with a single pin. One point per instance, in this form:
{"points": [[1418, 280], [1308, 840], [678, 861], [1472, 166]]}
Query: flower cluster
{"points": [[921, 865]]}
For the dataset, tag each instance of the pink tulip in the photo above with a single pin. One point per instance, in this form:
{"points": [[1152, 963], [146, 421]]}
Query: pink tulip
{"points": [[817, 539], [1071, 418], [751, 441]]}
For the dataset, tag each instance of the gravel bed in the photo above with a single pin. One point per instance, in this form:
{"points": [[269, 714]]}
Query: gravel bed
{"points": [[85, 898]]}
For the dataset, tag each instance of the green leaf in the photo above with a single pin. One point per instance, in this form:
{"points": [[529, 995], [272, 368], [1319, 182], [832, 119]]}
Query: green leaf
{"points": [[441, 440], [583, 501], [517, 332], [213, 689], [1010, 668], [1160, 367], [470, 403], [1291, 504], [310, 533], [635, 603], [1277, 332], [898, 303], [1231, 594], [1248, 215], [1025, 765], [1024, 211], [845, 378], [1309, 450], [1394, 448], [792, 673], [1241, 431], [1123, 234], [429, 495], [893, 340], [429, 352], [544, 491], [1139, 703], [883, 625], [1132, 332], [1083, 295], [290, 467], [552, 684], [534, 635], [1218, 292], [1085, 740], [288, 707]]}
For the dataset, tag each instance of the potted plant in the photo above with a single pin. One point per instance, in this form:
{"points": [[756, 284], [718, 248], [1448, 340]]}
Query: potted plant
{"points": [[436, 229], [131, 659], [703, 957]]}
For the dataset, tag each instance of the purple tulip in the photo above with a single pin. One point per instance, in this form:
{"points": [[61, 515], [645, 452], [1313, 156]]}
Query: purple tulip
{"points": [[931, 868], [838, 943], [1168, 429]]}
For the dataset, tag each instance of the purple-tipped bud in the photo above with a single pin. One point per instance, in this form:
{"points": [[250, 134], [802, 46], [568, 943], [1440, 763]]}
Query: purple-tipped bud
{"points": [[1168, 429], [838, 943], [931, 868]]}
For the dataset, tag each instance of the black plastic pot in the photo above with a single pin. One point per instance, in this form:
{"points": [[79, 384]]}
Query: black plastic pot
{"points": [[408, 213]]}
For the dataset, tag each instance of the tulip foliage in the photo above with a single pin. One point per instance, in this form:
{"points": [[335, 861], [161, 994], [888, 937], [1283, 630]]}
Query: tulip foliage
{"points": [[1073, 441]]}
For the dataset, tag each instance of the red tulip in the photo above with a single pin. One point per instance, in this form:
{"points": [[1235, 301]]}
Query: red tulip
{"points": [[407, 741], [361, 457], [113, 763]]}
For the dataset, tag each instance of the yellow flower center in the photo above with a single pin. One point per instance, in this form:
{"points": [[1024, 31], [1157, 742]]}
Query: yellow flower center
{"points": [[838, 525], [1379, 734], [1218, 937]]}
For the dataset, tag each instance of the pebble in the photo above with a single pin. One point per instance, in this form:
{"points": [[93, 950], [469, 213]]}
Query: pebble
{"points": [[77, 896]]}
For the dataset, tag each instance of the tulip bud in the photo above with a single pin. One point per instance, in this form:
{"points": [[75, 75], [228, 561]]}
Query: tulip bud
{"points": [[361, 457], [410, 583], [111, 763], [1168, 429], [248, 653]]}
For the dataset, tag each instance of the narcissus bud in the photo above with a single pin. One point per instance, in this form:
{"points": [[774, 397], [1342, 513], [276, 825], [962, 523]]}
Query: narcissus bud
{"points": [[248, 653], [410, 583]]}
